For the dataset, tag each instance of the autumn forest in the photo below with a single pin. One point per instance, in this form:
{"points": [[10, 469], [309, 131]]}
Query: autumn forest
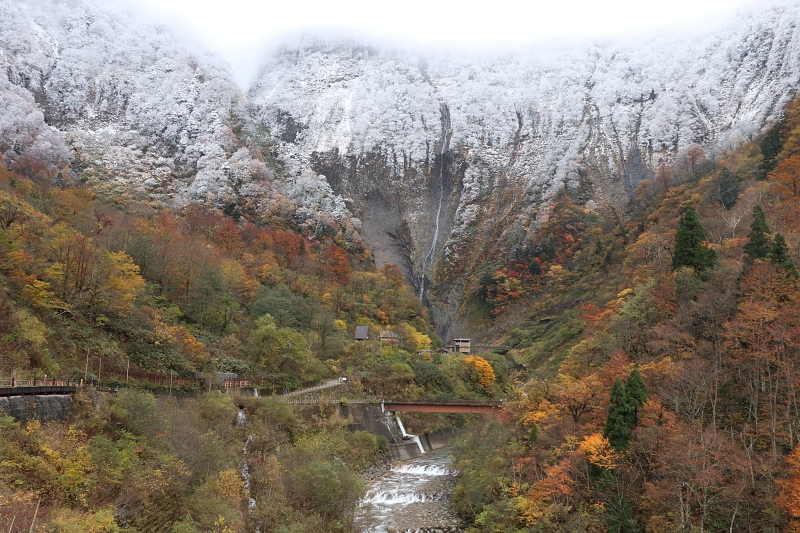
{"points": [[648, 356]]}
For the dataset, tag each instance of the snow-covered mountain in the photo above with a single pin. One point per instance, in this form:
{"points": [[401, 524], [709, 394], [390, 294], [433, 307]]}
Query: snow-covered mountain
{"points": [[134, 109], [444, 155], [434, 158]]}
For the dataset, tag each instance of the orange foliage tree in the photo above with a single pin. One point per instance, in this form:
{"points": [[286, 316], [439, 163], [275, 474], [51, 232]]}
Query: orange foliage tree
{"points": [[789, 498], [485, 373]]}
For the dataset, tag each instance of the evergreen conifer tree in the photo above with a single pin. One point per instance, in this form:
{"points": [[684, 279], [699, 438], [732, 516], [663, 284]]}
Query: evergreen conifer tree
{"points": [[617, 429], [779, 255], [727, 188], [637, 395], [533, 436], [550, 247], [622, 519], [758, 245], [690, 248], [771, 146]]}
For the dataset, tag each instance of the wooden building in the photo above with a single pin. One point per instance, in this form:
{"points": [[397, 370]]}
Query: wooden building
{"points": [[362, 333], [462, 345], [389, 337]]}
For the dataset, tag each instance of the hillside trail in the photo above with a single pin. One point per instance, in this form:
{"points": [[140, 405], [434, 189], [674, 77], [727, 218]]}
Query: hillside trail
{"points": [[329, 384]]}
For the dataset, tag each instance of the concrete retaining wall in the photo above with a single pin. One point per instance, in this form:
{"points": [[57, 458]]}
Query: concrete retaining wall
{"points": [[50, 407], [371, 418], [441, 438]]}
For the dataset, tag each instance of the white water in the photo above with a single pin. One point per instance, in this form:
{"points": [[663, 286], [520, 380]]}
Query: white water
{"points": [[415, 438], [251, 504], [241, 421], [396, 496], [424, 470], [412, 495], [429, 256]]}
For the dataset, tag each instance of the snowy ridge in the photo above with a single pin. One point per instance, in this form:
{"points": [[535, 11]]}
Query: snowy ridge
{"points": [[442, 157], [662, 95], [132, 104], [518, 127]]}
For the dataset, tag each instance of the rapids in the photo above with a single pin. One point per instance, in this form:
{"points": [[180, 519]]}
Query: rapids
{"points": [[414, 496]]}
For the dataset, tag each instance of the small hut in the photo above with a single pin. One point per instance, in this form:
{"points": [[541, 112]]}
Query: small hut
{"points": [[362, 333], [389, 337]]}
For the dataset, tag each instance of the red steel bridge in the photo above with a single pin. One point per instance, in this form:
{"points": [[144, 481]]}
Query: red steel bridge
{"points": [[443, 406]]}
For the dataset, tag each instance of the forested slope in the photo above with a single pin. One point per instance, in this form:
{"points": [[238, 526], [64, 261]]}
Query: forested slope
{"points": [[133, 289], [661, 359]]}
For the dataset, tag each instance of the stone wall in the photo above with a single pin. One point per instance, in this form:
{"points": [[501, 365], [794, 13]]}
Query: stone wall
{"points": [[371, 418], [441, 438], [379, 466], [48, 407]]}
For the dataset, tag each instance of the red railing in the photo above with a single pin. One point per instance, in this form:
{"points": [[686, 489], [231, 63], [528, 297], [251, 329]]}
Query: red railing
{"points": [[237, 383]]}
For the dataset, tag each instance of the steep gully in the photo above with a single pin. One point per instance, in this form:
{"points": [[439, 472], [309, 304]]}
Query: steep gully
{"points": [[426, 261]]}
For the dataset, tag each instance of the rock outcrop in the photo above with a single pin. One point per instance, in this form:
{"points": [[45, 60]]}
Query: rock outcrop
{"points": [[446, 157], [437, 160]]}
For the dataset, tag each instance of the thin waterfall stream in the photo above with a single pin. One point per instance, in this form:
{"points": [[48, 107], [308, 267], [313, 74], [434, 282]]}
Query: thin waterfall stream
{"points": [[415, 438], [429, 256], [241, 421], [415, 496]]}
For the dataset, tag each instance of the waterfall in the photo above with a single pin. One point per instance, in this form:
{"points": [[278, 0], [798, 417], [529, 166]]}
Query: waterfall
{"points": [[425, 470], [255, 392], [415, 438], [241, 420], [246, 475], [400, 496], [429, 256]]}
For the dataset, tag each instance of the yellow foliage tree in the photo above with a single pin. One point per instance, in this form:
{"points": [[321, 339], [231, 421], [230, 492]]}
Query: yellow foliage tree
{"points": [[413, 340], [123, 283], [486, 377], [69, 521], [230, 486], [599, 452], [576, 396]]}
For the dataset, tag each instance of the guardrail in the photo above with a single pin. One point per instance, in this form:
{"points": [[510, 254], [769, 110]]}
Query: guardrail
{"points": [[483, 403], [315, 401], [38, 390], [443, 406], [37, 387], [53, 382]]}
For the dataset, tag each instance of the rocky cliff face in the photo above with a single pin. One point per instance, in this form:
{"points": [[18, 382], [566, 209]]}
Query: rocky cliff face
{"points": [[445, 157], [437, 159], [131, 108]]}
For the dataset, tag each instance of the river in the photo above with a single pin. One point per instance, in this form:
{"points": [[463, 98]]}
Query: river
{"points": [[414, 496]]}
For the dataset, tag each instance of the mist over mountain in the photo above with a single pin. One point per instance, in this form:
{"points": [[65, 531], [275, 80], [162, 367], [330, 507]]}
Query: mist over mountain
{"points": [[438, 160], [448, 158], [133, 108]]}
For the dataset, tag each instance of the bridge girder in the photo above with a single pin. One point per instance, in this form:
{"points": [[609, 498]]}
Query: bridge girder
{"points": [[440, 408]]}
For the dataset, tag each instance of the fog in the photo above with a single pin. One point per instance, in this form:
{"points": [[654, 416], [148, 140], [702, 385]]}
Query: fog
{"points": [[244, 31]]}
